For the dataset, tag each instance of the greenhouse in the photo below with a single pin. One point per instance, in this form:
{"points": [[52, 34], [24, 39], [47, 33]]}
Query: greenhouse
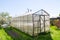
{"points": [[33, 23]]}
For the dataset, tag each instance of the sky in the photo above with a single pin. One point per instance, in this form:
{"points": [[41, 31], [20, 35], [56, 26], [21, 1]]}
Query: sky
{"points": [[19, 7]]}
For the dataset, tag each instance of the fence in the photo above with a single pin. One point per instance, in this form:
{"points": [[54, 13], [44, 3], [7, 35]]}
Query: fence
{"points": [[32, 24]]}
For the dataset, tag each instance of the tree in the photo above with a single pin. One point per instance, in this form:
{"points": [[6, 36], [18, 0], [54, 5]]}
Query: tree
{"points": [[4, 17], [59, 14]]}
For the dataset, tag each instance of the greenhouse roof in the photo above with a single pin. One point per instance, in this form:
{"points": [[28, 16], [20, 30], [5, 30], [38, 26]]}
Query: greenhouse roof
{"points": [[39, 12]]}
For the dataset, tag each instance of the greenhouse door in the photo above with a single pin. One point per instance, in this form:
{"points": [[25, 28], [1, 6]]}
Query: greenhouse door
{"points": [[41, 24]]}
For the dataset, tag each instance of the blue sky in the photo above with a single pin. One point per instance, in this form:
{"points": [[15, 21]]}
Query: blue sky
{"points": [[18, 7]]}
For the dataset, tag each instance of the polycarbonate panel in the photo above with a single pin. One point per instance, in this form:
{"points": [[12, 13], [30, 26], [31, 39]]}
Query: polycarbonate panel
{"points": [[36, 17], [42, 28], [30, 30], [42, 18], [21, 18], [47, 25], [25, 23], [42, 23], [21, 23], [47, 18], [36, 25], [25, 18], [30, 24], [29, 17], [35, 30]]}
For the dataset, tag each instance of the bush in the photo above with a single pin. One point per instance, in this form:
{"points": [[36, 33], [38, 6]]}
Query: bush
{"points": [[52, 22]]}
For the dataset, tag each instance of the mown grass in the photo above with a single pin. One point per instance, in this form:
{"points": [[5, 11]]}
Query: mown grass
{"points": [[4, 35], [54, 34]]}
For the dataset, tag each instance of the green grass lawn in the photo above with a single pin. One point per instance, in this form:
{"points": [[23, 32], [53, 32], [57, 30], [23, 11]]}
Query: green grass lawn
{"points": [[54, 34], [3, 35]]}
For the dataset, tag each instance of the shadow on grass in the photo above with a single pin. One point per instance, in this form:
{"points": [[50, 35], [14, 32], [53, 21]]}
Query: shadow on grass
{"points": [[44, 36], [24, 36], [58, 29], [0, 27], [12, 33]]}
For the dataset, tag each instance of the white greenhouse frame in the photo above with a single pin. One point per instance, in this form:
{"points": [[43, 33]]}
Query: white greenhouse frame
{"points": [[34, 23]]}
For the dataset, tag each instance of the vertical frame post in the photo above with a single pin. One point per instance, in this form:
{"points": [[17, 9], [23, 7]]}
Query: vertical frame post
{"points": [[27, 23], [44, 23], [33, 23], [40, 22]]}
